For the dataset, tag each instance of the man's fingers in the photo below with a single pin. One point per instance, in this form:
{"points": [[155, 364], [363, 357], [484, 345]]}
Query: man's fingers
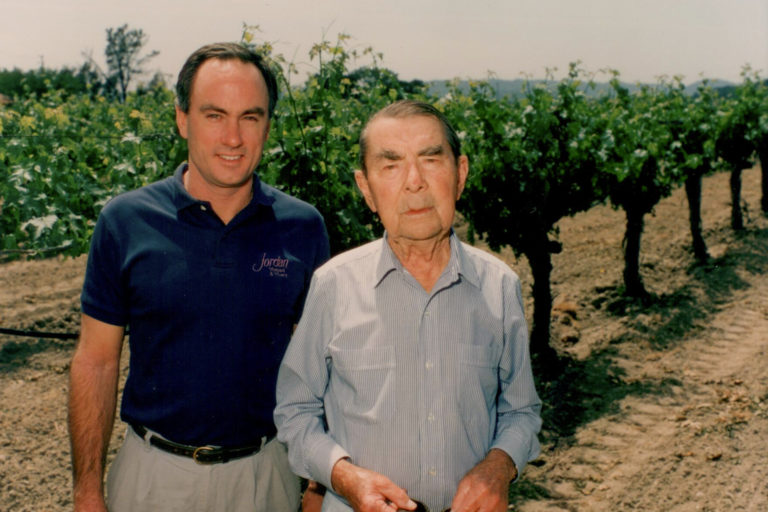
{"points": [[476, 495], [368, 491], [398, 497], [462, 500]]}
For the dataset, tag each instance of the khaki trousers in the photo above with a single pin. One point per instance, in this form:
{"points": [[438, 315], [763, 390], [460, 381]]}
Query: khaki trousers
{"points": [[143, 478]]}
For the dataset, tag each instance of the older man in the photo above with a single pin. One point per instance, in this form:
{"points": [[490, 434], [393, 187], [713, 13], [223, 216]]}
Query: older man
{"points": [[210, 268], [408, 378]]}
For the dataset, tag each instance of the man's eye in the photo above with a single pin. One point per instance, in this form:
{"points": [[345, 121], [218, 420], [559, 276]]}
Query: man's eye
{"points": [[390, 168]]}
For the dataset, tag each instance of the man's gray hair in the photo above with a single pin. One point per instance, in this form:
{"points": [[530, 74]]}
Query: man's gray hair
{"points": [[407, 108]]}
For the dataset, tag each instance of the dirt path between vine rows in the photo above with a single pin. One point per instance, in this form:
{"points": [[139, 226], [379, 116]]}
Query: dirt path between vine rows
{"points": [[665, 407], [701, 446]]}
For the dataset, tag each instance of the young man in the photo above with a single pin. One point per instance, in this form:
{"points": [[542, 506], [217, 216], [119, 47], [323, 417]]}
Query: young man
{"points": [[410, 368], [209, 269]]}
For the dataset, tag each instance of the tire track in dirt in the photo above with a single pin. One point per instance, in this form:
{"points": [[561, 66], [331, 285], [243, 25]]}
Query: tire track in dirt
{"points": [[30, 299], [706, 429]]}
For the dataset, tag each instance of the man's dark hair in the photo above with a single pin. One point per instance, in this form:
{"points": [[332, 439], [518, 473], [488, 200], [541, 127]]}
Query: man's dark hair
{"points": [[407, 108], [223, 51]]}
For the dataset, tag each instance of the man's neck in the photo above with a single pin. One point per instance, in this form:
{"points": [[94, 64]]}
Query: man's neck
{"points": [[225, 202], [424, 260]]}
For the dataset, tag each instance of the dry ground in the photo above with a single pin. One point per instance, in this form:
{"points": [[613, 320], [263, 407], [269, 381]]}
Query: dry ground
{"points": [[664, 406]]}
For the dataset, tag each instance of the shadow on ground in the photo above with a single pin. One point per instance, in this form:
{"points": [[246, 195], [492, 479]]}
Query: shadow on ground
{"points": [[585, 390], [15, 354]]}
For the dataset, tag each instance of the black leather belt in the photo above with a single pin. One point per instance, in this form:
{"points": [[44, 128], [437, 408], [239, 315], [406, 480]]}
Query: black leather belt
{"points": [[200, 454]]}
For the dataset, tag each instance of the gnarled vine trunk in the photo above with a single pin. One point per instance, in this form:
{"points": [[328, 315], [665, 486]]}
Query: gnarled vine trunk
{"points": [[762, 152], [737, 220], [693, 192], [540, 260], [633, 283]]}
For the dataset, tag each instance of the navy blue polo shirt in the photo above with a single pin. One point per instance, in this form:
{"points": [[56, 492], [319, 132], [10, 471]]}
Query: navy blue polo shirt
{"points": [[210, 307]]}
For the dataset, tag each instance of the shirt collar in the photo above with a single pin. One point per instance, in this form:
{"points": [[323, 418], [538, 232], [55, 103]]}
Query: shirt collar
{"points": [[458, 265], [182, 199]]}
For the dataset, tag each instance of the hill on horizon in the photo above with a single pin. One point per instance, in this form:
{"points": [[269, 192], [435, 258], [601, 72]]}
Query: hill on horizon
{"points": [[514, 88]]}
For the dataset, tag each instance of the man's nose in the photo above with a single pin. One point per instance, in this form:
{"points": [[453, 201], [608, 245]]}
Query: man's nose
{"points": [[414, 179], [232, 133]]}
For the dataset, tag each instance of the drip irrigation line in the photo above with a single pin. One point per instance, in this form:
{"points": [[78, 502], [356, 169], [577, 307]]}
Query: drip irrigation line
{"points": [[31, 252], [40, 334], [43, 334]]}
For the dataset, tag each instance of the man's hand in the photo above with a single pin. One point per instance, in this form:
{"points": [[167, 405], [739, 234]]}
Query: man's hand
{"points": [[312, 500], [91, 503], [368, 491], [486, 487]]}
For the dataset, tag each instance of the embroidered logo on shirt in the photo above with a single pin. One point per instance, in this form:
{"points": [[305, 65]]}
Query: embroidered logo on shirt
{"points": [[277, 266]]}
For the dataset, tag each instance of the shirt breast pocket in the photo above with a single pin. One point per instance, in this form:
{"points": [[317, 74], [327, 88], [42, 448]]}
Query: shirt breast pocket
{"points": [[362, 382], [478, 365]]}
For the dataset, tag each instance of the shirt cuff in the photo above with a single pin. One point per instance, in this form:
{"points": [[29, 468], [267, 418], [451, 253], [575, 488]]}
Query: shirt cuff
{"points": [[519, 451], [322, 459]]}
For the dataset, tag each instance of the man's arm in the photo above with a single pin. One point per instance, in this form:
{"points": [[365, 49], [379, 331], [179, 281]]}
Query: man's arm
{"points": [[485, 488], [518, 407], [302, 382], [368, 491], [92, 402]]}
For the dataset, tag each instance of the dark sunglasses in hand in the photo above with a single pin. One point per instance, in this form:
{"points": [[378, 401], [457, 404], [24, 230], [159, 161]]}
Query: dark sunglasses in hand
{"points": [[420, 507]]}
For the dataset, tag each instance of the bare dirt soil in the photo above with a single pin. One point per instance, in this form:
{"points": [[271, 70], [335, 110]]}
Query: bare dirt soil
{"points": [[663, 407]]}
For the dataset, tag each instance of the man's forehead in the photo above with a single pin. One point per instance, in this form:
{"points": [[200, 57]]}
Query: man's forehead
{"points": [[215, 71], [214, 75], [414, 129]]}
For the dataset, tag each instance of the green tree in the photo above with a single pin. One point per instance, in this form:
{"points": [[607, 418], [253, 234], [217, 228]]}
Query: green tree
{"points": [[63, 156], [636, 175], [693, 123], [534, 161], [316, 128], [124, 59], [19, 84], [738, 137], [762, 141]]}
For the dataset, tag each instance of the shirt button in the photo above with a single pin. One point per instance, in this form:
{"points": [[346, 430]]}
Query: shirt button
{"points": [[432, 471], [203, 208], [431, 417], [429, 365]]}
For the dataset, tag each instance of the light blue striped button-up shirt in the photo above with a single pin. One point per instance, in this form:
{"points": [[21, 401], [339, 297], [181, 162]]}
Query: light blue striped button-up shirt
{"points": [[416, 386]]}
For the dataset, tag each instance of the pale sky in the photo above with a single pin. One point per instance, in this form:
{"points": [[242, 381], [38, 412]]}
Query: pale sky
{"points": [[427, 39]]}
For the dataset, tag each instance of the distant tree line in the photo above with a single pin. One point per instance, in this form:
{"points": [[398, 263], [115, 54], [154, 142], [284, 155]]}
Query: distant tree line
{"points": [[16, 83], [125, 62]]}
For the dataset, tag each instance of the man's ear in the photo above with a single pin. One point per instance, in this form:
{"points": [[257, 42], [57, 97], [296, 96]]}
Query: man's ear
{"points": [[365, 189], [181, 122], [462, 171]]}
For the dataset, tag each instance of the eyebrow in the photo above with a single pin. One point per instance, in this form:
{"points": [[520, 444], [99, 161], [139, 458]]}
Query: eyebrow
{"points": [[432, 150], [208, 107], [388, 154]]}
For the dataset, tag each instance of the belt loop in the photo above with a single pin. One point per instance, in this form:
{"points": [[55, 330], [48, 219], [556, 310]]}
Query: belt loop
{"points": [[147, 438]]}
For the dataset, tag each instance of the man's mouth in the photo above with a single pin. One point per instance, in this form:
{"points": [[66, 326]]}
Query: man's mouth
{"points": [[418, 211], [230, 158]]}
